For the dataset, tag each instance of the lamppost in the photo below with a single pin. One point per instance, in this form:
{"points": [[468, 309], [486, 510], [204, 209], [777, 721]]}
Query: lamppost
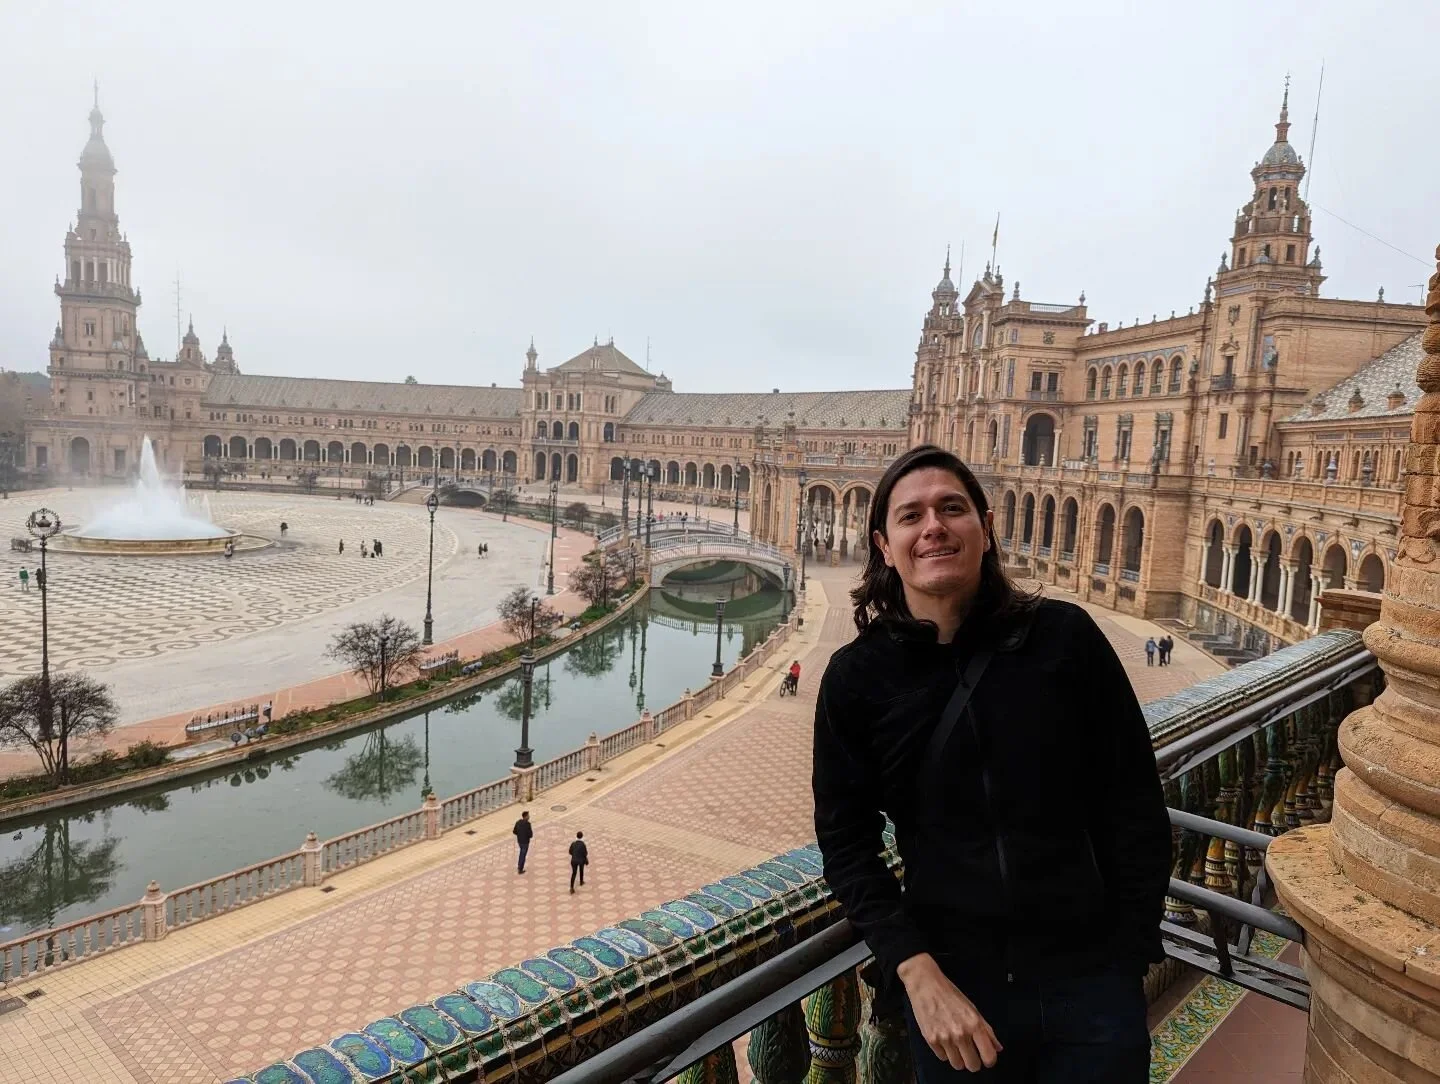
{"points": [[432, 502], [508, 482], [523, 755], [554, 530], [640, 500], [718, 670], [384, 646], [803, 479], [735, 496], [425, 790], [651, 472], [44, 525]]}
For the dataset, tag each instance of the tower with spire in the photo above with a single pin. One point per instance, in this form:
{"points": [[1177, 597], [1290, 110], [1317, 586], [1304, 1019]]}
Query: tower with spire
{"points": [[1272, 239], [94, 369], [941, 322]]}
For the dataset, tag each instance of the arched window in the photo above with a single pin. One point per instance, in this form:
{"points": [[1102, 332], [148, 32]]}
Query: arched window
{"points": [[1304, 557], [1105, 378], [1009, 516], [574, 433], [542, 430], [1047, 523], [1214, 554], [1140, 378], [1090, 380], [572, 467], [1372, 573], [1133, 541], [540, 462], [1176, 368], [1027, 519], [1105, 540], [1069, 528], [609, 434], [1157, 376], [1122, 386]]}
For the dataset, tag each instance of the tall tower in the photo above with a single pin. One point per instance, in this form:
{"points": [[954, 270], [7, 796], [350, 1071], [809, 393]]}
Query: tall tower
{"points": [[1271, 242], [929, 379], [93, 369]]}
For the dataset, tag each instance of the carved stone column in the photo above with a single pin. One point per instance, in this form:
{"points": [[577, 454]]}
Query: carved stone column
{"points": [[1366, 887], [716, 1067], [779, 1049], [832, 1017]]}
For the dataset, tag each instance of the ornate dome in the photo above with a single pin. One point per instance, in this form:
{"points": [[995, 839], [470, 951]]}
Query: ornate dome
{"points": [[1281, 154]]}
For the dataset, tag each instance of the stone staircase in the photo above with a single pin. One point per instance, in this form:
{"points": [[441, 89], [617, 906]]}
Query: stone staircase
{"points": [[1217, 646]]}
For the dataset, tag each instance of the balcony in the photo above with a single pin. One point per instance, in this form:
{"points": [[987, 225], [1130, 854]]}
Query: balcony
{"points": [[1102, 568], [1222, 382], [1042, 551], [1043, 395], [767, 953], [1025, 547], [1130, 575]]}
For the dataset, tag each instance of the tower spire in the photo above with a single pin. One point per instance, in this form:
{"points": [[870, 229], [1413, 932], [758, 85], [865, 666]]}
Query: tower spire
{"points": [[947, 261], [1282, 126]]}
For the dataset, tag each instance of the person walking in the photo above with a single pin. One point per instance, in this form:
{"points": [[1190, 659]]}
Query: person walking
{"points": [[1150, 648], [342, 547], [40, 579], [1000, 733], [284, 528], [25, 579], [524, 832], [1167, 645], [579, 859]]}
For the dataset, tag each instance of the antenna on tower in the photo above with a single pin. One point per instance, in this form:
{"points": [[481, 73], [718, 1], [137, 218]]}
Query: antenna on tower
{"points": [[1314, 127], [178, 333], [960, 278]]}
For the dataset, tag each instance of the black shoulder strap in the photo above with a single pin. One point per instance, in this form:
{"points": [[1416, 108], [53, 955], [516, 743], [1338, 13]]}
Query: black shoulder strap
{"points": [[965, 688]]}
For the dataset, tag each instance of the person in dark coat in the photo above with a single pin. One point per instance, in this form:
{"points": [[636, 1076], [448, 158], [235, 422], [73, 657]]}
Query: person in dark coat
{"points": [[1030, 822], [579, 859], [524, 832]]}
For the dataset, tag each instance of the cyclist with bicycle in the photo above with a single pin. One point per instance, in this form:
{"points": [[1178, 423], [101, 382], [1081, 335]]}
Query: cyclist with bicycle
{"points": [[792, 679]]}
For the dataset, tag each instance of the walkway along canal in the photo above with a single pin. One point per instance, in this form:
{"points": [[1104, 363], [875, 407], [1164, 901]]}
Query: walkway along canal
{"points": [[62, 866]]}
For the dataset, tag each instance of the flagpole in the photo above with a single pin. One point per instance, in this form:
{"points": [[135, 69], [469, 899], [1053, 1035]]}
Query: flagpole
{"points": [[995, 244]]}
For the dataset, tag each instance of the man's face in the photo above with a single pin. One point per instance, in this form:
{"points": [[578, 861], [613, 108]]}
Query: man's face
{"points": [[934, 536]]}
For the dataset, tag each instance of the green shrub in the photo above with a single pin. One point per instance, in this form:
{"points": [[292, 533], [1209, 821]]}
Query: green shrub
{"points": [[147, 754]]}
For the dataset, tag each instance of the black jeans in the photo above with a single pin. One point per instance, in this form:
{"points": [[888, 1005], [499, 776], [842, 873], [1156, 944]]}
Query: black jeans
{"points": [[575, 868], [524, 849], [1087, 1029]]}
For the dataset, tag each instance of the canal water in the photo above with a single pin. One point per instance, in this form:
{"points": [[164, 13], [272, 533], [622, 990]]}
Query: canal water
{"points": [[63, 866]]}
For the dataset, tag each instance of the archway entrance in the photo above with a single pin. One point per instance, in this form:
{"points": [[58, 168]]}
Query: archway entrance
{"points": [[79, 456], [1038, 447]]}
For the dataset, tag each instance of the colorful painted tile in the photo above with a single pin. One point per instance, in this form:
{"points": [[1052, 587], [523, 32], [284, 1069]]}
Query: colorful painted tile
{"points": [[525, 986], [696, 916], [279, 1073], [754, 889], [781, 870], [430, 1025], [322, 1067], [472, 1019], [717, 907], [763, 876], [499, 1000], [402, 1044], [575, 962], [737, 900], [626, 941], [364, 1053], [803, 861], [550, 973], [653, 932], [607, 954], [672, 922]]}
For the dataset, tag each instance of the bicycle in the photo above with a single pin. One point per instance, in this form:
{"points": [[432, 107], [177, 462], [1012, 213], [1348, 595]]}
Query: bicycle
{"points": [[790, 686]]}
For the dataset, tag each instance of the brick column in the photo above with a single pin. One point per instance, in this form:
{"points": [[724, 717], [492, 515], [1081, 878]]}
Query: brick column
{"points": [[592, 752], [524, 784], [1227, 569], [1366, 886], [1287, 587], [431, 808]]}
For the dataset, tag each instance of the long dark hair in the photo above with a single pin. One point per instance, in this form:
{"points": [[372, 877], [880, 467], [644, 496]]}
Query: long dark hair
{"points": [[880, 595]]}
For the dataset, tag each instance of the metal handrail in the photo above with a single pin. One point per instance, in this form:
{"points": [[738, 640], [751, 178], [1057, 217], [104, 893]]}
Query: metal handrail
{"points": [[1193, 749], [715, 1019]]}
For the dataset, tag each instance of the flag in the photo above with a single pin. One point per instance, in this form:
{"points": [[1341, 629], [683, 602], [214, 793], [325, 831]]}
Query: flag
{"points": [[995, 237]]}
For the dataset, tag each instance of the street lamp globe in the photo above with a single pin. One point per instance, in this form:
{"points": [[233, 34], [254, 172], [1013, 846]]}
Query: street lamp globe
{"points": [[432, 502]]}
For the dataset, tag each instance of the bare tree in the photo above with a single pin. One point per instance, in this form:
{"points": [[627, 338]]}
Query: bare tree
{"points": [[307, 477], [577, 513], [80, 707], [214, 470], [376, 649], [525, 616], [597, 577]]}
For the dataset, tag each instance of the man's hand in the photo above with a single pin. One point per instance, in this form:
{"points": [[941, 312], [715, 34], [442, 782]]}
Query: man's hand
{"points": [[948, 1021]]}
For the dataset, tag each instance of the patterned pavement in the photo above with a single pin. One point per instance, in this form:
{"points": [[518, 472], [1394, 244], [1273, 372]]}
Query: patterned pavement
{"points": [[230, 994]]}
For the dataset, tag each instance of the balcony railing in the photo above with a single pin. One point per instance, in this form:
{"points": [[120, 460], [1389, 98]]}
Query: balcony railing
{"points": [[1102, 568], [1222, 382], [1067, 555], [1024, 547], [1043, 551], [738, 956], [1045, 395], [1130, 575]]}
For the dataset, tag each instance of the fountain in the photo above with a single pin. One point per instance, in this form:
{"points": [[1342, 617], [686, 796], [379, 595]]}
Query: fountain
{"points": [[154, 517]]}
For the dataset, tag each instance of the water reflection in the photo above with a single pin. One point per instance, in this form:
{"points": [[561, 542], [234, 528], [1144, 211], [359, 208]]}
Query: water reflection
{"points": [[62, 866]]}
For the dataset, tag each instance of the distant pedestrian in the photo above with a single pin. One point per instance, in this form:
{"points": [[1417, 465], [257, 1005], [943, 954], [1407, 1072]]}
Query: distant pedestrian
{"points": [[1167, 645], [1150, 648], [579, 859], [524, 832], [485, 549], [25, 579], [342, 546], [362, 549], [284, 528], [40, 578], [379, 549], [480, 549]]}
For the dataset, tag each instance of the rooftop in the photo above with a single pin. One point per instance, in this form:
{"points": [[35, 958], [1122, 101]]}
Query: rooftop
{"points": [[1391, 371], [304, 393], [886, 409]]}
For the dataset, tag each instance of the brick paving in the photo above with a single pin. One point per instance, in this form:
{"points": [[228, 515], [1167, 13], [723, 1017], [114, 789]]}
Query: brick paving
{"points": [[230, 994]]}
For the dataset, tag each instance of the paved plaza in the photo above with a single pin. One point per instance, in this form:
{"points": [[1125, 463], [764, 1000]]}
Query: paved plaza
{"points": [[232, 993], [173, 634]]}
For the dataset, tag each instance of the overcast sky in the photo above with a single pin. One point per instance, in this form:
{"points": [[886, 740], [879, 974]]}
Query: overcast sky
{"points": [[764, 190]]}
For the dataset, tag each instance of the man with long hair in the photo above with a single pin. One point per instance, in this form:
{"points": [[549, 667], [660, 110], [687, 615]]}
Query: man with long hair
{"points": [[1001, 735]]}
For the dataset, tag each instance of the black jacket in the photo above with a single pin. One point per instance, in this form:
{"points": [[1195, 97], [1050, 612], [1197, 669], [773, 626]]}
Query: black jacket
{"points": [[1044, 845], [579, 853], [524, 830]]}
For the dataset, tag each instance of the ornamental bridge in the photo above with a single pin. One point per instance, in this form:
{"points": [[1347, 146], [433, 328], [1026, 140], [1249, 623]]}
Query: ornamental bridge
{"points": [[674, 544]]}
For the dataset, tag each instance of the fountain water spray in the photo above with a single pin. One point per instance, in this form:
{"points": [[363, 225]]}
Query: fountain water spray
{"points": [[154, 510]]}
